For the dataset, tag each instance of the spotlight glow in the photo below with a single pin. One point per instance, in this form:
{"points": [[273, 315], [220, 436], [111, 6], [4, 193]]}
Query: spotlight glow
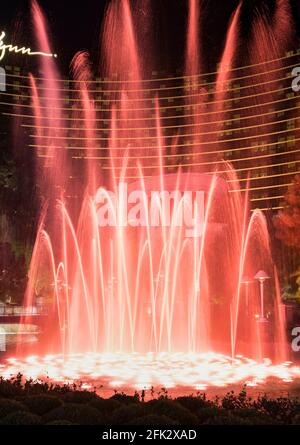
{"points": [[142, 371]]}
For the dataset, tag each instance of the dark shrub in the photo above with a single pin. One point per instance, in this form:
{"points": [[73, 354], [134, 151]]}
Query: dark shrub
{"points": [[193, 404], [60, 422], [281, 409], [296, 420], [76, 413], [211, 412], [105, 406], [171, 409], [21, 418], [123, 398], [152, 420], [127, 413], [80, 397], [10, 406], [227, 419], [251, 414], [42, 404], [10, 388], [232, 401]]}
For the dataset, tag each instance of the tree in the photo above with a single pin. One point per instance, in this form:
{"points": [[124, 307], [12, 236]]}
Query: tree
{"points": [[287, 229], [287, 221]]}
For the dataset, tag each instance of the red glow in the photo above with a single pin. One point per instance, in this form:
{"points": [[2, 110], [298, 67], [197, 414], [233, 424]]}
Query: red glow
{"points": [[140, 371], [119, 292]]}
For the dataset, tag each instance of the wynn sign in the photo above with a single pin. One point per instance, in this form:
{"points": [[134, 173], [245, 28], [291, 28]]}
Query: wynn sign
{"points": [[4, 48]]}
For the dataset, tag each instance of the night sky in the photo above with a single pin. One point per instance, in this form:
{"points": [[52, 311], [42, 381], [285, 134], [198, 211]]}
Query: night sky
{"points": [[76, 26]]}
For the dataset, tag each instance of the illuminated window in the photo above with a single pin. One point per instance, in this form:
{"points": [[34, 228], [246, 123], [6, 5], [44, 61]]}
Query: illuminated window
{"points": [[291, 124], [291, 141], [290, 95]]}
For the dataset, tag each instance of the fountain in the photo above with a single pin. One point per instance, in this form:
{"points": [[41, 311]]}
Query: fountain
{"points": [[147, 287]]}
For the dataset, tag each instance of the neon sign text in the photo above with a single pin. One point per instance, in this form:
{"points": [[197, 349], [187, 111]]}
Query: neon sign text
{"points": [[15, 49]]}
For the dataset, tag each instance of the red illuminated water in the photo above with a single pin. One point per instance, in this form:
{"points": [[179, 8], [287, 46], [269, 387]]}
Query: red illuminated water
{"points": [[144, 305]]}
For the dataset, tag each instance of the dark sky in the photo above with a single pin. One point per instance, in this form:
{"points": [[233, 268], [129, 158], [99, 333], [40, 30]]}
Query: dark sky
{"points": [[76, 25]]}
